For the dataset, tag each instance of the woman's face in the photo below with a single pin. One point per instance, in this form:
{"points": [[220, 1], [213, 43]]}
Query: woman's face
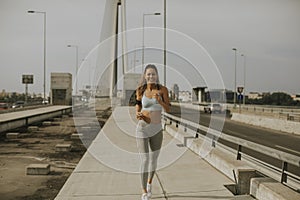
{"points": [[151, 75]]}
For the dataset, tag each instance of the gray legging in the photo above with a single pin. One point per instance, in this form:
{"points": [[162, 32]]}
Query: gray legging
{"points": [[148, 135]]}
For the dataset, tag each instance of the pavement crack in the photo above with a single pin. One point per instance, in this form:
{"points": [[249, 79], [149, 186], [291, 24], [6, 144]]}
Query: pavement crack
{"points": [[162, 187]]}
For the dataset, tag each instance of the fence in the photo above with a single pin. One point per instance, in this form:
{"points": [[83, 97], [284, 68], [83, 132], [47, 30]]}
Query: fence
{"points": [[286, 159]]}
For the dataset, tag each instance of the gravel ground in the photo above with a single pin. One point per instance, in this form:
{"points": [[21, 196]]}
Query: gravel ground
{"points": [[39, 147]]}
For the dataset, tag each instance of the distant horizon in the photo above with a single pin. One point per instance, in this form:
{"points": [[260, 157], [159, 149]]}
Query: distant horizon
{"points": [[260, 92]]}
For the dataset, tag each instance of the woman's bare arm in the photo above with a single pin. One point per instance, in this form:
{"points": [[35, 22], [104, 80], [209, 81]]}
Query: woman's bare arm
{"points": [[164, 101]]}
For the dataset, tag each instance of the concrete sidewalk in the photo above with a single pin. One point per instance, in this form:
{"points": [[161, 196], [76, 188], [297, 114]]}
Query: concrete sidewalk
{"points": [[109, 169]]}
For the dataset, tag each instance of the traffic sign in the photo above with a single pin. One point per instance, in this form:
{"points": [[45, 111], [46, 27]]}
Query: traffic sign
{"points": [[27, 79], [240, 89], [240, 97]]}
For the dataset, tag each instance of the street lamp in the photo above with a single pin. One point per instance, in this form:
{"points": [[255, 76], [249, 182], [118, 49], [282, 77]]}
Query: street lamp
{"points": [[75, 77], [244, 99], [234, 91], [43, 13], [145, 14]]}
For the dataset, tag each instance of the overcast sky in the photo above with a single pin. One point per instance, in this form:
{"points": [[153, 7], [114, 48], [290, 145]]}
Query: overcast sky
{"points": [[266, 31]]}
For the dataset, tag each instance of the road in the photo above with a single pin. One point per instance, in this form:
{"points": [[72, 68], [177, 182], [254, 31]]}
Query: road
{"points": [[275, 139]]}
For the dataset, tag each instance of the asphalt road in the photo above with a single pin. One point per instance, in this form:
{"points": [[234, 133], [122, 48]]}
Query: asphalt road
{"points": [[282, 141]]}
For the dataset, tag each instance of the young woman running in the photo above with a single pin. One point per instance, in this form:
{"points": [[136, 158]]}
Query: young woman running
{"points": [[151, 99]]}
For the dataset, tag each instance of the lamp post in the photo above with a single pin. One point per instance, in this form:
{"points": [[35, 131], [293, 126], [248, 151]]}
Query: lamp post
{"points": [[143, 54], [234, 91], [75, 78], [244, 99], [44, 14]]}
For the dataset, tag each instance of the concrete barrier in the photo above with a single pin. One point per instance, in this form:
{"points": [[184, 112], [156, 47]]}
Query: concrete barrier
{"points": [[76, 136], [270, 123], [47, 123], [63, 147], [33, 128], [38, 169], [225, 161], [12, 135], [267, 188], [256, 119], [9, 121], [244, 180]]}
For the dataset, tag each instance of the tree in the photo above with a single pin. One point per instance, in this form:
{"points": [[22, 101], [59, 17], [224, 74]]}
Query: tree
{"points": [[280, 99], [276, 98]]}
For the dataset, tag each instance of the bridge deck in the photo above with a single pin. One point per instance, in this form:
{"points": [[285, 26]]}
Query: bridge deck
{"points": [[12, 120], [109, 169], [27, 113]]}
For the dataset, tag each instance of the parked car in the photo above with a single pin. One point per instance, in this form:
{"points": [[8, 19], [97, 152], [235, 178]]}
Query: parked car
{"points": [[213, 108], [3, 106], [18, 104]]}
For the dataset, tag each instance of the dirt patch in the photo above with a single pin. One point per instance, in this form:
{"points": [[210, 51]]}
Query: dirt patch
{"points": [[39, 147]]}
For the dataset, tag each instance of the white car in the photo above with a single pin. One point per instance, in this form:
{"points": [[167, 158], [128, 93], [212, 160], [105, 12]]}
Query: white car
{"points": [[213, 108]]}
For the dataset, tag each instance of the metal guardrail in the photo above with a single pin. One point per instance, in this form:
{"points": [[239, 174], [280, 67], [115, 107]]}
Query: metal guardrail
{"points": [[285, 113], [25, 107], [268, 109], [286, 158], [290, 117]]}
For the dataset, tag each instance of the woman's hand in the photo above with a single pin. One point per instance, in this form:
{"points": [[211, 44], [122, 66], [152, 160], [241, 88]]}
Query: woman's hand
{"points": [[157, 96], [144, 115], [139, 115]]}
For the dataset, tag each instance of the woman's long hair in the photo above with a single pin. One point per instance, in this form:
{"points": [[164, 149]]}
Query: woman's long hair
{"points": [[143, 83]]}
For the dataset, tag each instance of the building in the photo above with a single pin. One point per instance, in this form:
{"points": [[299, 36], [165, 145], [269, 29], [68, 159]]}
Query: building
{"points": [[185, 96], [219, 95], [296, 97], [198, 94], [61, 89], [202, 95], [175, 92], [254, 95], [3, 94]]}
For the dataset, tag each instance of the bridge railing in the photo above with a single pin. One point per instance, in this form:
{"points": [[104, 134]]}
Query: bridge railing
{"points": [[20, 119], [290, 116], [285, 158]]}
